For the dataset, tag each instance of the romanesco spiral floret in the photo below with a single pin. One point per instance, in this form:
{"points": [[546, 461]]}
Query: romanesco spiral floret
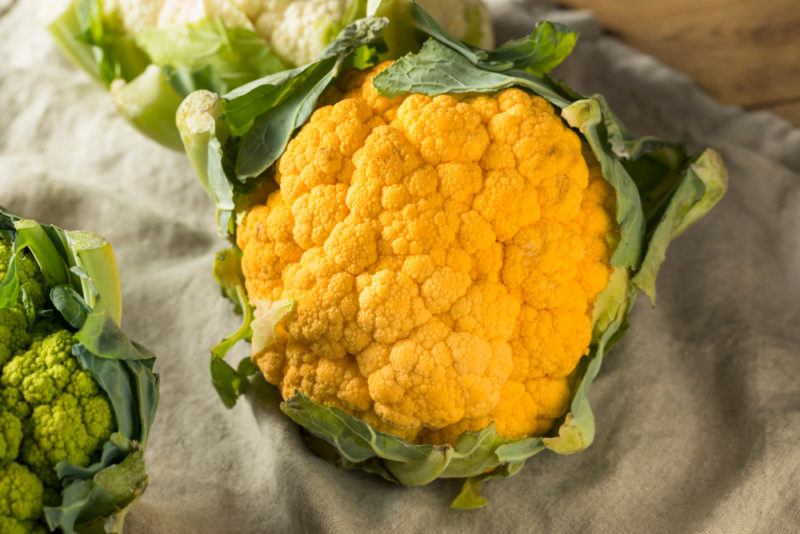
{"points": [[67, 417], [21, 497], [13, 332], [10, 436]]}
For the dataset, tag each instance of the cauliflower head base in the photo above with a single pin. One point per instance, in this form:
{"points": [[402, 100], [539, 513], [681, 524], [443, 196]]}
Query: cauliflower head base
{"points": [[444, 254]]}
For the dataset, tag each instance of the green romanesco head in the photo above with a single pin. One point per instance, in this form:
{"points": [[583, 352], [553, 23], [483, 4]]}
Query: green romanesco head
{"points": [[66, 417], [14, 334], [21, 500]]}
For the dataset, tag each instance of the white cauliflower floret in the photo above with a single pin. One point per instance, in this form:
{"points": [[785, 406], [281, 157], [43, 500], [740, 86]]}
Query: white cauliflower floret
{"points": [[177, 12], [298, 30], [301, 31], [133, 15], [254, 8]]}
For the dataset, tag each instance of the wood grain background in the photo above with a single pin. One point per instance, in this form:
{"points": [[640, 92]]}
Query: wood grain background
{"points": [[744, 52]]}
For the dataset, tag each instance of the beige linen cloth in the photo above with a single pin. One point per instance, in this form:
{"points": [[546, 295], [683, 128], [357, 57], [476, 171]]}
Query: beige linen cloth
{"points": [[698, 409]]}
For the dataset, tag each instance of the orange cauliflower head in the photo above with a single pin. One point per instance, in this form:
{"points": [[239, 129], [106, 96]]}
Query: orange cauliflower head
{"points": [[443, 254]]}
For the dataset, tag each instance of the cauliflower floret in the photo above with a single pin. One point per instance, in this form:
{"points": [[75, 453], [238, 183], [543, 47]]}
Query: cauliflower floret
{"points": [[132, 15], [298, 30], [10, 436], [21, 498], [178, 12], [66, 416], [13, 332], [301, 29], [446, 253]]}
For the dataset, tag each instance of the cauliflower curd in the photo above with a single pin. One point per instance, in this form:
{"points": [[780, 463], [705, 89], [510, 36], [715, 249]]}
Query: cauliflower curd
{"points": [[297, 30], [444, 255]]}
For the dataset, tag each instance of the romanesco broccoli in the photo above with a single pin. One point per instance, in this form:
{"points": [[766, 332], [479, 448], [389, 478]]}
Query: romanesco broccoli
{"points": [[77, 397], [51, 410], [67, 417]]}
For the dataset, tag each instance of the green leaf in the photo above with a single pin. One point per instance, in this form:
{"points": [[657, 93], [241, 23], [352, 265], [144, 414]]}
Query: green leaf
{"points": [[358, 33], [438, 69], [185, 80], [266, 140], [36, 238], [473, 454], [115, 54], [114, 451], [70, 305], [587, 116], [611, 304], [146, 386], [576, 433], [248, 102], [355, 10], [228, 275], [544, 49], [113, 378], [103, 337], [428, 25], [132, 389], [228, 382], [9, 289], [702, 185], [222, 188], [470, 497], [267, 318], [235, 56], [107, 493]]}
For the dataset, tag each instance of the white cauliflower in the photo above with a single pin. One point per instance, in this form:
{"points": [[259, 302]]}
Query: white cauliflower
{"points": [[297, 30], [151, 53]]}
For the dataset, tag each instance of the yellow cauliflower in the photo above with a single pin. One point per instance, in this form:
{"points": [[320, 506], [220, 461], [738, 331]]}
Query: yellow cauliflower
{"points": [[433, 256], [444, 255]]}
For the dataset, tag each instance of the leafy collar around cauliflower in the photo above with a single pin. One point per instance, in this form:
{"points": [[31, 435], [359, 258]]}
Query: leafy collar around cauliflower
{"points": [[82, 281], [234, 140]]}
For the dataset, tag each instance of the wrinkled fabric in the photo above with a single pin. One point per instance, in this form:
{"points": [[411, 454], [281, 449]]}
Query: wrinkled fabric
{"points": [[698, 408]]}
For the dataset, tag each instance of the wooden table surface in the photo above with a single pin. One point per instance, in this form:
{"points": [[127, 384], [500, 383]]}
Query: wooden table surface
{"points": [[744, 52]]}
